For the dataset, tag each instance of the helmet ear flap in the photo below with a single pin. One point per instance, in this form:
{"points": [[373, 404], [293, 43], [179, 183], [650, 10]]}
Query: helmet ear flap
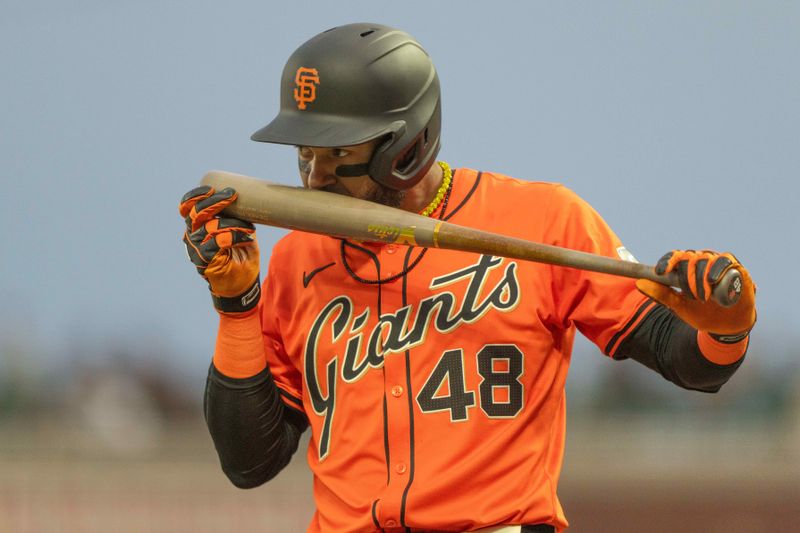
{"points": [[405, 162], [401, 167]]}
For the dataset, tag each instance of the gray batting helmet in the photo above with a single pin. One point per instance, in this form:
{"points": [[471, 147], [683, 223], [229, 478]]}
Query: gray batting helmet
{"points": [[356, 83]]}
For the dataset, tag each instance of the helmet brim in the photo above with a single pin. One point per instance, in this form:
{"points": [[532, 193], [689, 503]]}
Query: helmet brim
{"points": [[319, 130]]}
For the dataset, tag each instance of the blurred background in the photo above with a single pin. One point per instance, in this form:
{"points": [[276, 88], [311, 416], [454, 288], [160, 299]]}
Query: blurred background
{"points": [[677, 120]]}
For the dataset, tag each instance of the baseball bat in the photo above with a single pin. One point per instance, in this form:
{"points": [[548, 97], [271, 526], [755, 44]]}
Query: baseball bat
{"points": [[326, 213]]}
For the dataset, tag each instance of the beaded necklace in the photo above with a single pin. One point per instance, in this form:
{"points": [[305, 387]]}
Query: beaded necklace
{"points": [[448, 175]]}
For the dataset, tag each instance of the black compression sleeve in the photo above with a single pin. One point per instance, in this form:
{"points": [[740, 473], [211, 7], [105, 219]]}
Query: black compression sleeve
{"points": [[255, 434], [666, 344]]}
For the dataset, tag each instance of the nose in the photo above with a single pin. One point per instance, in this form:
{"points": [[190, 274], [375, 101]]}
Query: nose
{"points": [[320, 174]]}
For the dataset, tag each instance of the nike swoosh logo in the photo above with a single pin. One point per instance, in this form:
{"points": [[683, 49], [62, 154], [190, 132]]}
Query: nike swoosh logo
{"points": [[307, 277]]}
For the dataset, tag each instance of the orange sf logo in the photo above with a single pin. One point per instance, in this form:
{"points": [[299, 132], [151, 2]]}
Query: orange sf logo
{"points": [[307, 80]]}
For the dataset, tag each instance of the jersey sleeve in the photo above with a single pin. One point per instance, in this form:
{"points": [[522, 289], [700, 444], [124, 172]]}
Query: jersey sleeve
{"points": [[604, 307], [275, 311]]}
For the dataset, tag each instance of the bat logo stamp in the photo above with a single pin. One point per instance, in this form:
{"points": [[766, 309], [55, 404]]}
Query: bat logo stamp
{"points": [[307, 80], [393, 234]]}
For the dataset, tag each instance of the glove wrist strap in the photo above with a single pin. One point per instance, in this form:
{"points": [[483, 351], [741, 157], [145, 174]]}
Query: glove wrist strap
{"points": [[729, 339], [239, 304]]}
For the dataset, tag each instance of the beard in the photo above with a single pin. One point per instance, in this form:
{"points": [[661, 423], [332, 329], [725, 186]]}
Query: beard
{"points": [[386, 196]]}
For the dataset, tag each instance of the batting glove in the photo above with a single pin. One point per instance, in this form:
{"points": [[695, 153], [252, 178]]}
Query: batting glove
{"points": [[697, 273], [224, 250]]}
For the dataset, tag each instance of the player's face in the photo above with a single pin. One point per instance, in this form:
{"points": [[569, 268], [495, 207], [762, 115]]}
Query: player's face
{"points": [[318, 171]]}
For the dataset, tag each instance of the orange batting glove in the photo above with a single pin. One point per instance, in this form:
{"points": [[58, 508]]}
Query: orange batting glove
{"points": [[697, 273], [224, 250]]}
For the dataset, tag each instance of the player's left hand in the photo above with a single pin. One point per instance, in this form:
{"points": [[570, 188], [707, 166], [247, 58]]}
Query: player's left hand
{"points": [[698, 272]]}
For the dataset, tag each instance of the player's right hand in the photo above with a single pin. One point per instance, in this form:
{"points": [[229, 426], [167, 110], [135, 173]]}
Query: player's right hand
{"points": [[224, 250]]}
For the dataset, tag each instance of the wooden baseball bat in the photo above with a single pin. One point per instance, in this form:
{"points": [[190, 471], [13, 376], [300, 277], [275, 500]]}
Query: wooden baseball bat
{"points": [[326, 213]]}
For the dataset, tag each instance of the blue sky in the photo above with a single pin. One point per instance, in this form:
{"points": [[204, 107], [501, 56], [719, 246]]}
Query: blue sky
{"points": [[678, 121]]}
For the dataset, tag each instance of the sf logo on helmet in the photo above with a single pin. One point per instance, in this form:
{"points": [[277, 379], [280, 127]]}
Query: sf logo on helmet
{"points": [[307, 80]]}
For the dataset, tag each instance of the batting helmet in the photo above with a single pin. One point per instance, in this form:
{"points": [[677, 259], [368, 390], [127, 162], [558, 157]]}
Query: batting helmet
{"points": [[356, 83]]}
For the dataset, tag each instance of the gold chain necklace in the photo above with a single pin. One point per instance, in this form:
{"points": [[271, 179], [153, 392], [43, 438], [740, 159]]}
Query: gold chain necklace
{"points": [[448, 175]]}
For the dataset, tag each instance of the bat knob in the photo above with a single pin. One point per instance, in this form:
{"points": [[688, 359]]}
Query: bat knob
{"points": [[728, 289]]}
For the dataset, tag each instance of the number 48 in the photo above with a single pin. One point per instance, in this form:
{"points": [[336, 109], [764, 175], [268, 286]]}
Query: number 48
{"points": [[495, 375]]}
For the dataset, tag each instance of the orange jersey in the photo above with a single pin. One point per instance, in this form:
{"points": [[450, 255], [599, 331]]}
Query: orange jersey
{"points": [[436, 400]]}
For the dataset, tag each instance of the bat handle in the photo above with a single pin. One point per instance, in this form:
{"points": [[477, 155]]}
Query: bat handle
{"points": [[725, 292]]}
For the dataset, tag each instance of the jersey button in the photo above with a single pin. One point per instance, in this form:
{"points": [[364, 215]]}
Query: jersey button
{"points": [[391, 248], [400, 468], [397, 391], [391, 523]]}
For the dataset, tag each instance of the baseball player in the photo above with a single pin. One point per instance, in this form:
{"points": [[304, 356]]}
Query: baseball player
{"points": [[432, 380]]}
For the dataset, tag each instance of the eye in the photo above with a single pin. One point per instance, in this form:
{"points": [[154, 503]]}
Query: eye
{"points": [[304, 152], [340, 152]]}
